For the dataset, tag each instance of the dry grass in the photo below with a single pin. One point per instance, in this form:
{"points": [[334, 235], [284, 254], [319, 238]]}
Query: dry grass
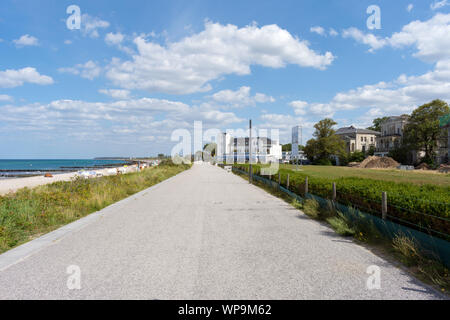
{"points": [[429, 270], [28, 213]]}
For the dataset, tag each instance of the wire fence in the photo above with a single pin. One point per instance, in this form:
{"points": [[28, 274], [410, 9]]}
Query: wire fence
{"points": [[421, 221]]}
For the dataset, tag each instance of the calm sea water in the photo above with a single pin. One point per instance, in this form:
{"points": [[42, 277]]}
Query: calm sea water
{"points": [[32, 167]]}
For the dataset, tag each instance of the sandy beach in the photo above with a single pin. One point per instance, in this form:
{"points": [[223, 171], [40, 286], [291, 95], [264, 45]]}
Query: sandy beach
{"points": [[14, 184]]}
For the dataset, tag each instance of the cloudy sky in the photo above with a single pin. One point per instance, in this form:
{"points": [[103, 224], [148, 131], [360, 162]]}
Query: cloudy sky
{"points": [[135, 71]]}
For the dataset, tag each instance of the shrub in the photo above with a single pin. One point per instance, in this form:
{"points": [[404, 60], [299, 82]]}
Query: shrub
{"points": [[311, 208], [340, 224]]}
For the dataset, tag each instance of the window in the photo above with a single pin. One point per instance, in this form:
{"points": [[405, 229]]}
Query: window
{"points": [[371, 139], [362, 139]]}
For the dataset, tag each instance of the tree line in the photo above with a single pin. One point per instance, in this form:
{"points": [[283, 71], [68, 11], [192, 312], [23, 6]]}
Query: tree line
{"points": [[421, 133]]}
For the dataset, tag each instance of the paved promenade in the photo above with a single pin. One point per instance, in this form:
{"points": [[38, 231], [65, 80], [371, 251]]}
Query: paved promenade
{"points": [[203, 234]]}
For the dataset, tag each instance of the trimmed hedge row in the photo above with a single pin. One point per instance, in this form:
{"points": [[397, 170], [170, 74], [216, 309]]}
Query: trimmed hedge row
{"points": [[427, 206]]}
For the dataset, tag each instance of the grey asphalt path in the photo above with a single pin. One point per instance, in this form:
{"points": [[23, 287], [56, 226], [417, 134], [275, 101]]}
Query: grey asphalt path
{"points": [[204, 234]]}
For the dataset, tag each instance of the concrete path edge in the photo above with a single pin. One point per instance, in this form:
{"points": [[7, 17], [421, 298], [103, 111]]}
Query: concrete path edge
{"points": [[20, 253]]}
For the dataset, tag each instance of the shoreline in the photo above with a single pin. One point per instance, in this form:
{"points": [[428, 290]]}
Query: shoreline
{"points": [[12, 184]]}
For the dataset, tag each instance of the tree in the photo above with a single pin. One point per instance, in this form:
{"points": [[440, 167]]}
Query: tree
{"points": [[401, 154], [357, 156], [209, 151], [377, 124], [325, 143], [210, 148], [422, 131], [288, 147]]}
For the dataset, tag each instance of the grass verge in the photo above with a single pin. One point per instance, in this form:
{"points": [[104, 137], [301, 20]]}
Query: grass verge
{"points": [[29, 213], [402, 249]]}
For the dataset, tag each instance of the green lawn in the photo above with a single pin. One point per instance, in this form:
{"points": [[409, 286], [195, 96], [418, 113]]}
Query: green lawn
{"points": [[394, 175]]}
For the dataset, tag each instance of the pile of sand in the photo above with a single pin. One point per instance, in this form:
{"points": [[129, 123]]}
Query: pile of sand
{"points": [[379, 162], [423, 166]]}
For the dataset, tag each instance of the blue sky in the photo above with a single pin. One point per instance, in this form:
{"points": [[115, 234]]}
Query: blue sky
{"points": [[135, 72]]}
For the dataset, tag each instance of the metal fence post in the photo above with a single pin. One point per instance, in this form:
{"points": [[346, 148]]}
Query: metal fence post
{"points": [[306, 185], [334, 191], [383, 205], [279, 180], [287, 183]]}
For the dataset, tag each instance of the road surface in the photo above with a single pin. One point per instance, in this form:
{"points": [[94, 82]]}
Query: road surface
{"points": [[203, 234]]}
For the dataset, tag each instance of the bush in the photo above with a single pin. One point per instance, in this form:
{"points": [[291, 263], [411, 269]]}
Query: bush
{"points": [[323, 162], [341, 225], [311, 208], [357, 156]]}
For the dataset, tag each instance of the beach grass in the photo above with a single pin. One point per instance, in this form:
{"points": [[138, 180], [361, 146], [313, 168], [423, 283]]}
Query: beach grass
{"points": [[29, 213]]}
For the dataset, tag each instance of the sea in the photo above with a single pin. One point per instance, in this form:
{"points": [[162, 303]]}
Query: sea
{"points": [[32, 167]]}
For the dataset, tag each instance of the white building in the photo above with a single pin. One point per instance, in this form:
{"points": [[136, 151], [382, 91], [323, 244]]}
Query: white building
{"points": [[391, 134], [358, 139], [264, 150]]}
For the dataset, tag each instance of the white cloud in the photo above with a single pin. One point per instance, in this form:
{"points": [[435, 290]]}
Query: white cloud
{"points": [[4, 97], [218, 117], [241, 97], [89, 70], [409, 7], [148, 138], [396, 97], [333, 32], [430, 38], [318, 30], [116, 93], [90, 25], [284, 124], [189, 65], [367, 38], [299, 106], [123, 121], [67, 42], [16, 78], [439, 4], [114, 38], [26, 40]]}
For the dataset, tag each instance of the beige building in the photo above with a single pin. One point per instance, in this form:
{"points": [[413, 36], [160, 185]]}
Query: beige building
{"points": [[391, 134], [358, 139]]}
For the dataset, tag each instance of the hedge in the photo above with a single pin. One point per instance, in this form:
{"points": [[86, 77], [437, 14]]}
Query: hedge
{"points": [[425, 206]]}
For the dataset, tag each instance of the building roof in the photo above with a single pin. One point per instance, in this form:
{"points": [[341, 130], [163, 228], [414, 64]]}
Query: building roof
{"points": [[353, 131]]}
